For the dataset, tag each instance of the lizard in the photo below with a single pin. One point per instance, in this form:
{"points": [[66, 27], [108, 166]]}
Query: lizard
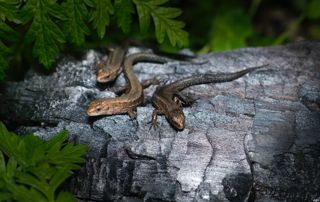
{"points": [[145, 84], [128, 102], [167, 100], [108, 70]]}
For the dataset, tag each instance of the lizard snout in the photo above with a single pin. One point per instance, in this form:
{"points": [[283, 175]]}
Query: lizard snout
{"points": [[178, 119]]}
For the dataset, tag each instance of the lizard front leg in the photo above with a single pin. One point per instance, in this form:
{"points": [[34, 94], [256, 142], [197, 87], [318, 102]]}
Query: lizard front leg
{"points": [[154, 119]]}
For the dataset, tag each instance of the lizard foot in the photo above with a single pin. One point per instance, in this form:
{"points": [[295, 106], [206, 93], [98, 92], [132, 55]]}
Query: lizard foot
{"points": [[153, 123]]}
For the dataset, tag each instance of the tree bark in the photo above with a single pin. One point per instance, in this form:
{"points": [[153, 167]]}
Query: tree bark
{"points": [[253, 139]]}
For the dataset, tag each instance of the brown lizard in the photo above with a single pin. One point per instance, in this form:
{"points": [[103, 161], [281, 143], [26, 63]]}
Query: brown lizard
{"points": [[110, 69], [167, 100], [122, 89], [128, 102]]}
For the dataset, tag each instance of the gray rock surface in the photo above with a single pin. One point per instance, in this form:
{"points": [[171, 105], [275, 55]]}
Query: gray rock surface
{"points": [[254, 139]]}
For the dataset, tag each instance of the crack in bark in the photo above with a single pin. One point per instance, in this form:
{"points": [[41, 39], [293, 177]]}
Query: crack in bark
{"points": [[204, 177], [136, 156], [252, 189]]}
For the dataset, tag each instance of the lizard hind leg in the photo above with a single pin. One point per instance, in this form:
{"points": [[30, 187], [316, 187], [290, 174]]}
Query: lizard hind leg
{"points": [[183, 100]]}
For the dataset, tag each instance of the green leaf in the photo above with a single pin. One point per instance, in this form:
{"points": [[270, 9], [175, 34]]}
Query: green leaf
{"points": [[75, 26], [11, 168], [55, 10], [8, 10], [28, 11], [58, 139], [65, 197], [2, 163], [124, 10], [230, 29], [38, 184], [44, 32], [69, 154], [163, 18], [89, 3], [7, 140], [60, 153], [31, 173], [20, 153], [36, 195], [42, 170], [47, 37], [3, 66], [59, 177], [55, 144], [24, 194], [34, 150], [144, 15], [101, 15], [313, 9], [4, 50], [7, 33], [5, 196]]}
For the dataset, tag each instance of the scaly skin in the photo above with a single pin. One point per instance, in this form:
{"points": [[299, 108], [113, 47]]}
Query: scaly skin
{"points": [[145, 84], [166, 101], [110, 69], [126, 103]]}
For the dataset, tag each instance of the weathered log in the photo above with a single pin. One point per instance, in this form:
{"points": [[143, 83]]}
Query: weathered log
{"points": [[254, 139]]}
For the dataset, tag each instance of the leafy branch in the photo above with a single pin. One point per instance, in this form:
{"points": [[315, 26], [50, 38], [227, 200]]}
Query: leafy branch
{"points": [[163, 20], [34, 169], [44, 32], [49, 24], [123, 11], [75, 26], [100, 16], [8, 12]]}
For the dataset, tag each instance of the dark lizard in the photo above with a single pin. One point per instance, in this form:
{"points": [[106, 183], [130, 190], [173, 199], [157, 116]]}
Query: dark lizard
{"points": [[167, 100]]}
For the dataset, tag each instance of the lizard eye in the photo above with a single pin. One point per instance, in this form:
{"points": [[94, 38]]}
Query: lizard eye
{"points": [[176, 100], [98, 109]]}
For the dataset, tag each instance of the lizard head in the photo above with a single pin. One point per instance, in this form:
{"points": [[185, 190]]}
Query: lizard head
{"points": [[177, 118], [104, 76], [101, 107]]}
